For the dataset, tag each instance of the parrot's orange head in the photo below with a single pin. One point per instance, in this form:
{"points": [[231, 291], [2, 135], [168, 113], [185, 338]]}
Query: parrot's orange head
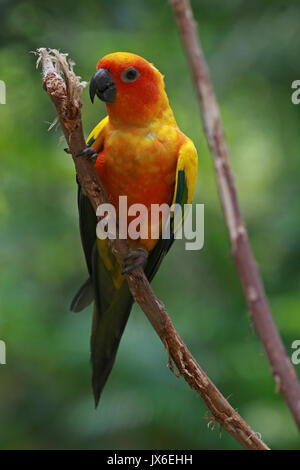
{"points": [[131, 87]]}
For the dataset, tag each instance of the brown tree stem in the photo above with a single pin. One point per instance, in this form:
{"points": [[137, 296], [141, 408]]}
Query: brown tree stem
{"points": [[70, 121], [283, 372]]}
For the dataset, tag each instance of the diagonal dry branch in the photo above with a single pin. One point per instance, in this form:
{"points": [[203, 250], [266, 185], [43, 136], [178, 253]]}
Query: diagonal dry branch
{"points": [[283, 372], [67, 101]]}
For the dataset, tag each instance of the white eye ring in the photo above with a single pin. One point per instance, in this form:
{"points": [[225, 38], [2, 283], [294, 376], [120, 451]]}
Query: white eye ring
{"points": [[130, 75]]}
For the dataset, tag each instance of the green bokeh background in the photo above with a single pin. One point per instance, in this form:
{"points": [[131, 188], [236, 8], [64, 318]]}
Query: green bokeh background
{"points": [[45, 393]]}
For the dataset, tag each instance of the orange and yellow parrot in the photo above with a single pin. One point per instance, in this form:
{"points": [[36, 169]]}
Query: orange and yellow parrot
{"points": [[139, 152]]}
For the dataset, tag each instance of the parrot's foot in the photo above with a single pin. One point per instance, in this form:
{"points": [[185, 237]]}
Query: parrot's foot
{"points": [[136, 258], [89, 153], [67, 150]]}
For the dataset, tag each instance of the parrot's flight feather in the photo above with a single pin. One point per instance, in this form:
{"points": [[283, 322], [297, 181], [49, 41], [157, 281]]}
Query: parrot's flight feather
{"points": [[83, 298]]}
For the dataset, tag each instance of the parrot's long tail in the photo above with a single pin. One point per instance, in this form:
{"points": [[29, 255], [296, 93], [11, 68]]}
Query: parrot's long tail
{"points": [[110, 292], [107, 330]]}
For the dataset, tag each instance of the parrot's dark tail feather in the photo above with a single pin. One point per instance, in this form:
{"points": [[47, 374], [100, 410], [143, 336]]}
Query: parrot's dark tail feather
{"points": [[107, 330], [83, 297], [113, 304]]}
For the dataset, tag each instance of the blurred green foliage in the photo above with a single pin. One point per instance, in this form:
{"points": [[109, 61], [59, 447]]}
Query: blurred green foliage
{"points": [[45, 393]]}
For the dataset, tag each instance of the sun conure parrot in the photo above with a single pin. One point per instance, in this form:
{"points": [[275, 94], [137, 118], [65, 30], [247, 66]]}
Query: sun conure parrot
{"points": [[139, 152]]}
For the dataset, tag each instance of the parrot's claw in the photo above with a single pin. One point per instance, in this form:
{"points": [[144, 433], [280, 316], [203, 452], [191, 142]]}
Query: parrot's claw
{"points": [[67, 150], [136, 258], [90, 153]]}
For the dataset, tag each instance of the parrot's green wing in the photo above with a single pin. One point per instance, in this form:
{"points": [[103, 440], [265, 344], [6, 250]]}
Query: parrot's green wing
{"points": [[87, 225]]}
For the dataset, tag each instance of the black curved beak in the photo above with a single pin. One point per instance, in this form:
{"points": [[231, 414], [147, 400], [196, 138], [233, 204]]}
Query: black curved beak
{"points": [[102, 84]]}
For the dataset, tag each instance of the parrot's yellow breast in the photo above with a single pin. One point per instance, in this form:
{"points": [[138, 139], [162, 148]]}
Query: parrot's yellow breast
{"points": [[140, 163]]}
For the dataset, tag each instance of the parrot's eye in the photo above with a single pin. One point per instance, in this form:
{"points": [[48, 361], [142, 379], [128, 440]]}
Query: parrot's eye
{"points": [[130, 75]]}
